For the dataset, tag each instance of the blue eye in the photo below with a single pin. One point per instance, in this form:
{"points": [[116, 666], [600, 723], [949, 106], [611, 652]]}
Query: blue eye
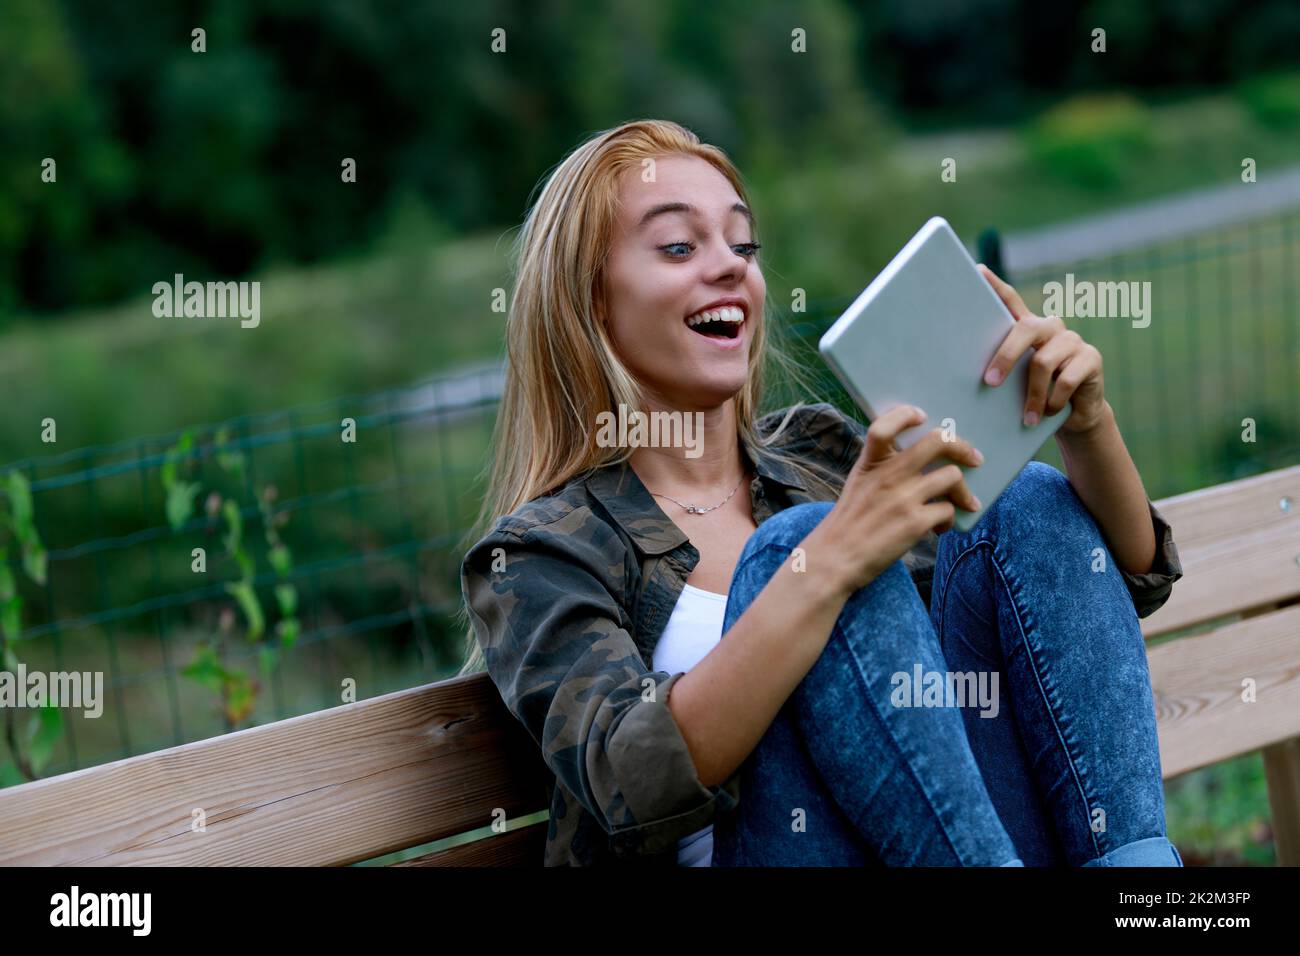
{"points": [[674, 245], [746, 249]]}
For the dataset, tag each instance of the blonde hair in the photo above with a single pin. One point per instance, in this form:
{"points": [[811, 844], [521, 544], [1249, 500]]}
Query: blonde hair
{"points": [[561, 367]]}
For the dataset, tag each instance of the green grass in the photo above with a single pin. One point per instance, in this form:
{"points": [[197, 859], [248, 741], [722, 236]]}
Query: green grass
{"points": [[1219, 815], [344, 328]]}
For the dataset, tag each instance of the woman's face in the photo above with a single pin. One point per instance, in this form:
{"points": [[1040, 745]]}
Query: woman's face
{"points": [[682, 247]]}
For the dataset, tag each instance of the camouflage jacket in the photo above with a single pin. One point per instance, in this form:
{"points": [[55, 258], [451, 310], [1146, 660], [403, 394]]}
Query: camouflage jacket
{"points": [[568, 629]]}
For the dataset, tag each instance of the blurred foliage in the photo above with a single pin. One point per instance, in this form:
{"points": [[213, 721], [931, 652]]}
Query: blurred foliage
{"points": [[1091, 140], [227, 161], [236, 688], [29, 748], [998, 61], [1274, 98], [170, 160]]}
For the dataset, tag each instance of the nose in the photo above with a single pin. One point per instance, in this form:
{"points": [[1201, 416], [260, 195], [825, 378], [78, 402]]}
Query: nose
{"points": [[723, 262]]}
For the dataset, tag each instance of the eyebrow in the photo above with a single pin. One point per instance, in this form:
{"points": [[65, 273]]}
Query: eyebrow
{"points": [[666, 207]]}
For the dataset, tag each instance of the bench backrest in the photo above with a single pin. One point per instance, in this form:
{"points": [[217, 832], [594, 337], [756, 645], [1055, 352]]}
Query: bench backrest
{"points": [[363, 780], [334, 787]]}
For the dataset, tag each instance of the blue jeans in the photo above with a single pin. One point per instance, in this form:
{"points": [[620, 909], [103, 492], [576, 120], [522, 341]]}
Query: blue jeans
{"points": [[1011, 725]]}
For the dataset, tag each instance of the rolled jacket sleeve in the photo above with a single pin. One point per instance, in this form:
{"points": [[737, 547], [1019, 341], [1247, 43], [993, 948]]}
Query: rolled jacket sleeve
{"points": [[557, 649], [1151, 589]]}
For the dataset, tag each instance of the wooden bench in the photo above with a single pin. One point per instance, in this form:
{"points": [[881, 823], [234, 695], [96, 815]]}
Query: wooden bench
{"points": [[361, 781]]}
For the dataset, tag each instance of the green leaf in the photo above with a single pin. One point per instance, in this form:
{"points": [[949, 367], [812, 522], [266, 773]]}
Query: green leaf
{"points": [[235, 524], [280, 559], [10, 662], [11, 619], [245, 564], [20, 496], [243, 592], [11, 602], [239, 697], [34, 562], [206, 669], [286, 595], [168, 470], [43, 732], [288, 629], [180, 503], [7, 588]]}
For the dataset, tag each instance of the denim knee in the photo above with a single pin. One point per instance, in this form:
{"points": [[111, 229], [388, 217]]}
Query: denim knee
{"points": [[781, 534], [766, 549], [1037, 481], [1037, 490], [788, 527]]}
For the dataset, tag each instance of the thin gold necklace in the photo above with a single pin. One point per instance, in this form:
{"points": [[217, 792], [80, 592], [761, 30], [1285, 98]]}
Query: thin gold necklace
{"points": [[702, 509]]}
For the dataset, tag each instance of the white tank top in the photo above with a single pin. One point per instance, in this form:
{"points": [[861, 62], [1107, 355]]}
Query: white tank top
{"points": [[693, 630]]}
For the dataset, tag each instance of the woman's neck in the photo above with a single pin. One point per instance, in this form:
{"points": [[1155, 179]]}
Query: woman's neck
{"points": [[713, 462]]}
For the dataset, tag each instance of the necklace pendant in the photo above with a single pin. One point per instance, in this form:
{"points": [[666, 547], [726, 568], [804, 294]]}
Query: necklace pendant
{"points": [[700, 509]]}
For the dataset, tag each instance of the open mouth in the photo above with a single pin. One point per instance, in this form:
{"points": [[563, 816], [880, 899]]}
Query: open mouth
{"points": [[720, 323]]}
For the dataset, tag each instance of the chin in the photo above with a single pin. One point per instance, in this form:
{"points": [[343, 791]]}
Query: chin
{"points": [[712, 392]]}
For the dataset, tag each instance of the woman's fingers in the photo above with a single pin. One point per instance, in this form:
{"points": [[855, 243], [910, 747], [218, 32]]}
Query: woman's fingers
{"points": [[934, 445], [1030, 332], [939, 516], [1047, 361], [1007, 293], [1070, 375], [948, 482], [883, 432]]}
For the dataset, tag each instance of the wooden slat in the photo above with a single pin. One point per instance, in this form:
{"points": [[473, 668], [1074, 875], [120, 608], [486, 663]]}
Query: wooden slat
{"points": [[1198, 686], [338, 786], [525, 847], [1237, 546], [1282, 771]]}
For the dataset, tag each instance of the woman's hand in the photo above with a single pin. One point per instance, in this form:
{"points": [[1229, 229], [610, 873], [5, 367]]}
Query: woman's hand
{"points": [[1060, 352], [885, 506]]}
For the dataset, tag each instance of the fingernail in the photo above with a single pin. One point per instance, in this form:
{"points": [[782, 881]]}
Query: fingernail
{"points": [[978, 505], [1031, 418], [993, 376], [979, 457]]}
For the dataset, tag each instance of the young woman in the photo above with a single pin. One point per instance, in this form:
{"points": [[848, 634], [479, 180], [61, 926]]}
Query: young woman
{"points": [[740, 611]]}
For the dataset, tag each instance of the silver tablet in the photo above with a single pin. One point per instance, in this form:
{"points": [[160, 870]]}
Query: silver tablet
{"points": [[923, 333]]}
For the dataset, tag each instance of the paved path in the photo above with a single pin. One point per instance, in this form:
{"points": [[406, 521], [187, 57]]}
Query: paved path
{"points": [[1139, 225]]}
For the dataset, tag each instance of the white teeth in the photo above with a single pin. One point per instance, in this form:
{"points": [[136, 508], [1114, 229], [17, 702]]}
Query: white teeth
{"points": [[728, 313]]}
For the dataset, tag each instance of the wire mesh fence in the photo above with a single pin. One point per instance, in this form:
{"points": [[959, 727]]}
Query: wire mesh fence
{"points": [[239, 572]]}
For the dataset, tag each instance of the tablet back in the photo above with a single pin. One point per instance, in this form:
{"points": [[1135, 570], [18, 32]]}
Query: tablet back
{"points": [[923, 333]]}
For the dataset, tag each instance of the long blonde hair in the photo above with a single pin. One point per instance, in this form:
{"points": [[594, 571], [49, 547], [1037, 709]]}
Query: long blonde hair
{"points": [[561, 367]]}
